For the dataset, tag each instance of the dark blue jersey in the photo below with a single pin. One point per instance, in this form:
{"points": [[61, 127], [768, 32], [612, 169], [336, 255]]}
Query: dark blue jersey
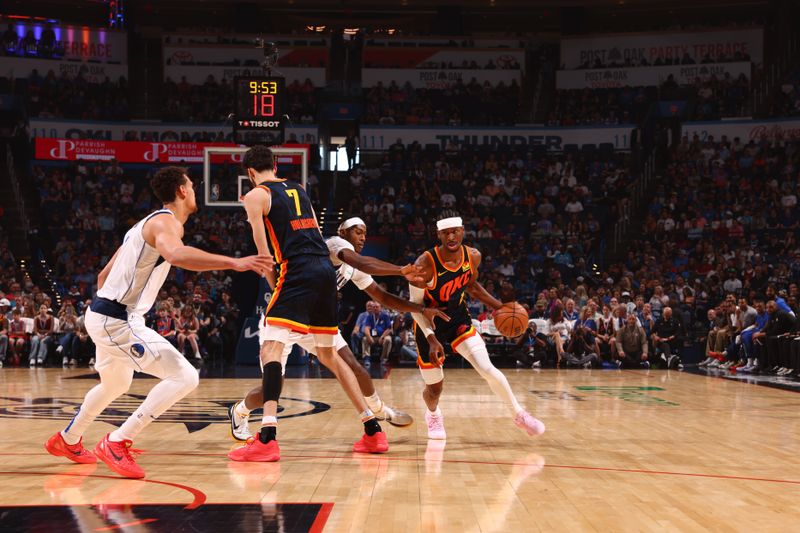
{"points": [[292, 229]]}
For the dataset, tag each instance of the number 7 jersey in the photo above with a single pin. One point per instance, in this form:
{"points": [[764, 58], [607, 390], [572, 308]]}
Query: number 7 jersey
{"points": [[292, 228]]}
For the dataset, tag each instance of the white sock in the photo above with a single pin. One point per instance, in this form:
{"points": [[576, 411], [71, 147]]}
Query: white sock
{"points": [[241, 409], [437, 412], [70, 439], [269, 421], [374, 402]]}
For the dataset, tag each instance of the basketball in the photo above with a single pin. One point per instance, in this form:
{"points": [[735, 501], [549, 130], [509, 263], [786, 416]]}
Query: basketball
{"points": [[511, 319]]}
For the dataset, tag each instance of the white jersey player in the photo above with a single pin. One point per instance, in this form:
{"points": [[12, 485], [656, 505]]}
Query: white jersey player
{"points": [[127, 289], [345, 253]]}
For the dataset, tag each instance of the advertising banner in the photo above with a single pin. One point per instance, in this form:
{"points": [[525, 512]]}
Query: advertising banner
{"points": [[124, 152], [151, 131], [197, 75], [139, 152], [647, 76], [81, 43], [553, 139], [500, 58], [437, 78], [242, 56], [620, 47], [16, 67], [746, 130], [372, 137]]}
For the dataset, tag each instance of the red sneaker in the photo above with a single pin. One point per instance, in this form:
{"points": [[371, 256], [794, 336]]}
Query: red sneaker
{"points": [[56, 445], [117, 455], [374, 444], [256, 451]]}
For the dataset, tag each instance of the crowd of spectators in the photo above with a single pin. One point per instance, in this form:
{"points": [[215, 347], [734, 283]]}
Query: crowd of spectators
{"points": [[45, 47], [84, 211], [72, 97], [462, 104], [721, 232], [708, 99], [626, 105], [786, 97], [537, 217]]}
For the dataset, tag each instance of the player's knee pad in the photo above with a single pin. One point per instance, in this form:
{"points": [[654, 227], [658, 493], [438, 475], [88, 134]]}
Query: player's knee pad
{"points": [[474, 351], [432, 376], [271, 381]]}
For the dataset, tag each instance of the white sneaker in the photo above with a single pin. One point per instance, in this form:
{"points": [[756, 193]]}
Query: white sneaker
{"points": [[435, 426], [240, 429], [536, 364], [33, 361], [394, 416], [1, 364], [91, 361], [706, 362], [532, 426], [713, 364], [65, 361], [73, 362]]}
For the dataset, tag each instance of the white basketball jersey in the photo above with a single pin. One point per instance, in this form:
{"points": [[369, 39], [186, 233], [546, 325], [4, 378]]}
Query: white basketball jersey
{"points": [[345, 272], [138, 273]]}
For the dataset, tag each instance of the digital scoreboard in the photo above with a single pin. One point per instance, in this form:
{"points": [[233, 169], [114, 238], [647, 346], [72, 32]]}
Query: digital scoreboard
{"points": [[259, 106]]}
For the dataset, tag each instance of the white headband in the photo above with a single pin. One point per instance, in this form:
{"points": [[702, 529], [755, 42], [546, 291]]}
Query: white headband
{"points": [[350, 222], [447, 223]]}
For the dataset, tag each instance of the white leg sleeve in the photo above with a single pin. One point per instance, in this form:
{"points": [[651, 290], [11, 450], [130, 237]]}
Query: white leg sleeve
{"points": [[474, 350], [178, 378], [115, 380]]}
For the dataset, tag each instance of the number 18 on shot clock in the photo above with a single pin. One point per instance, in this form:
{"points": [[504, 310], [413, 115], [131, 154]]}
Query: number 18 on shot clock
{"points": [[259, 106]]}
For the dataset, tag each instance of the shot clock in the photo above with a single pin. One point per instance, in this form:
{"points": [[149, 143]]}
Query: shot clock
{"points": [[259, 106]]}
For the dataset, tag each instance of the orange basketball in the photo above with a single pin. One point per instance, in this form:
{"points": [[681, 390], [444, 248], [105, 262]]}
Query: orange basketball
{"points": [[511, 319]]}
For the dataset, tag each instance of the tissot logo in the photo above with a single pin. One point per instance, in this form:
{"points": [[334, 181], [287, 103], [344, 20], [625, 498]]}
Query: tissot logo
{"points": [[194, 413]]}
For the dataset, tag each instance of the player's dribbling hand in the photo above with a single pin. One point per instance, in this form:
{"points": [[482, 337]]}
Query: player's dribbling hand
{"points": [[435, 352], [259, 264], [431, 312], [413, 273]]}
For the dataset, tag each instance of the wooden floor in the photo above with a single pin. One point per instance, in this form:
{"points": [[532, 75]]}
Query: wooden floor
{"points": [[624, 451]]}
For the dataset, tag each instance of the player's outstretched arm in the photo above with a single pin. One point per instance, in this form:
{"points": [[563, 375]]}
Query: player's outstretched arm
{"points": [[375, 267], [165, 233], [475, 289], [398, 304]]}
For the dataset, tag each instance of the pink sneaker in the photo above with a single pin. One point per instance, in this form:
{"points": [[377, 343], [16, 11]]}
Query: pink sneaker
{"points": [[435, 426], [533, 426]]}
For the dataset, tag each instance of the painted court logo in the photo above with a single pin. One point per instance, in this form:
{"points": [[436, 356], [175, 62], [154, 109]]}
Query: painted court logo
{"points": [[194, 413]]}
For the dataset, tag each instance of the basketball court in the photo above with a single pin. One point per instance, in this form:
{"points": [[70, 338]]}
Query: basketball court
{"points": [[623, 451]]}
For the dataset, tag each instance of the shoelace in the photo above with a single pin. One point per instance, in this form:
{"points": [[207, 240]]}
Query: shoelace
{"points": [[130, 452]]}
